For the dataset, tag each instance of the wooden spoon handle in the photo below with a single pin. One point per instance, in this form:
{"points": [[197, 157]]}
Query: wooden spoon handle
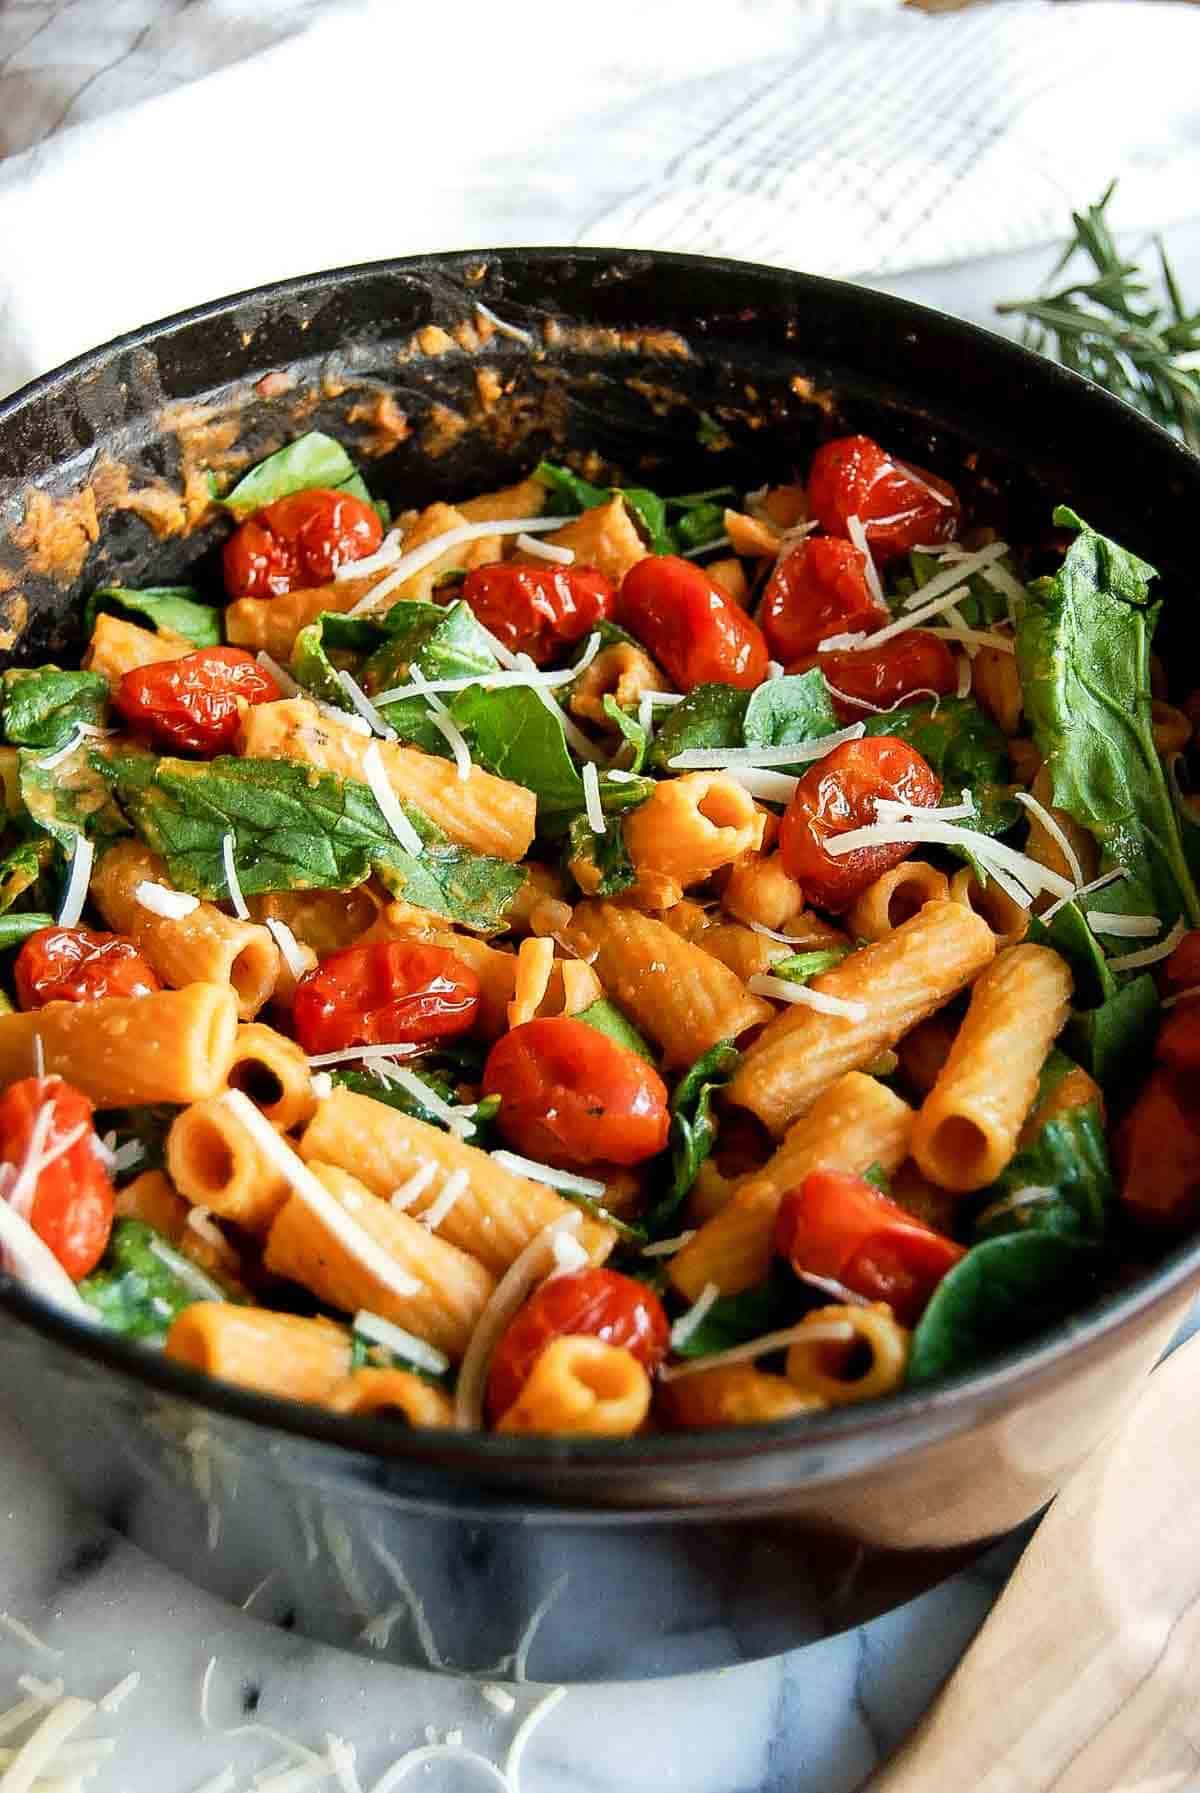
{"points": [[1082, 1680]]}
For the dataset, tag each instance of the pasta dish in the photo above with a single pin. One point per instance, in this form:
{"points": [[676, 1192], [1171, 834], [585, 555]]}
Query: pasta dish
{"points": [[579, 961]]}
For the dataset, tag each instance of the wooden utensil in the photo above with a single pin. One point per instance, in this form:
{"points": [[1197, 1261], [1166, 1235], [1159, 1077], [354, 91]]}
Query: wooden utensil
{"points": [[1083, 1679]]}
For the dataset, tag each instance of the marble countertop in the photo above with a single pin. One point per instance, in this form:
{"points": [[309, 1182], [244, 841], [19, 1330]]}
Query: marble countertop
{"points": [[815, 1721]]}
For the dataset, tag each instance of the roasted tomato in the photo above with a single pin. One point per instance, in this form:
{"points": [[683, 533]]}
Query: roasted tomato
{"points": [[1179, 1041], [817, 590], [899, 506], [1156, 1150], [838, 794], [538, 610], [571, 1096], [68, 1201], [389, 991], [840, 1226], [79, 965], [600, 1303], [298, 542], [193, 702], [885, 675], [1182, 970], [690, 625]]}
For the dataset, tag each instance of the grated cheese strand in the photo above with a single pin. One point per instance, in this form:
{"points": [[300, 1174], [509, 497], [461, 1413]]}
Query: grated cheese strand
{"points": [[233, 885], [503, 327], [858, 536], [827, 1332], [436, 1752], [77, 884], [718, 541], [290, 950], [551, 551], [366, 709], [768, 786], [732, 759], [1149, 955], [445, 724], [991, 852], [40, 1749], [546, 1173], [591, 799], [1124, 927], [287, 684], [1054, 829], [404, 566], [958, 568], [389, 803], [784, 990], [533, 1718], [415, 1187], [22, 1631], [32, 1262], [499, 1697], [161, 900], [666, 1248], [399, 1339], [1084, 890], [455, 1185], [688, 1323]]}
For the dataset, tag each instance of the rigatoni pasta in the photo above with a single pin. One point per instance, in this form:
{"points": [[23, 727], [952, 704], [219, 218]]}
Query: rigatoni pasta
{"points": [[173, 1046]]}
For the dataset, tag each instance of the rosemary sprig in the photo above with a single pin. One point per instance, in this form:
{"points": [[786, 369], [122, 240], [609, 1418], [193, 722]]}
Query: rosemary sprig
{"points": [[1118, 329]]}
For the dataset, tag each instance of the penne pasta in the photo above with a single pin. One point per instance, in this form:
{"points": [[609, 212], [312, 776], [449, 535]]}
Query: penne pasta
{"points": [[276, 1354], [392, 1394], [118, 647], [901, 979], [969, 1123], [214, 1162], [172, 1046], [271, 625], [895, 898], [736, 1394]]}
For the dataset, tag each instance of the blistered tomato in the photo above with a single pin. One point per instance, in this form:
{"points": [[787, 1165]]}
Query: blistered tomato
{"points": [[68, 1202], [79, 965], [900, 507], [193, 702], [838, 794], [538, 610], [389, 991], [1182, 970], [569, 1095], [881, 677], [599, 1303], [840, 1226], [297, 542], [817, 590], [1156, 1151], [690, 625]]}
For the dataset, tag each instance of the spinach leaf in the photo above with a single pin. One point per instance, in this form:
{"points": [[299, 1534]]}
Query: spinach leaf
{"points": [[514, 735], [693, 1128], [171, 607], [295, 828], [801, 966], [72, 797], [735, 1319], [983, 605], [878, 1178], [699, 525], [1114, 1041], [15, 928], [441, 641], [366, 1353], [965, 749], [784, 710], [631, 730], [134, 1291], [701, 521], [1083, 648], [599, 863], [312, 460], [1069, 934], [650, 515], [438, 1083], [147, 1126], [572, 492], [709, 716], [1003, 1292], [42, 707], [311, 667], [607, 1018], [22, 866], [1070, 1156]]}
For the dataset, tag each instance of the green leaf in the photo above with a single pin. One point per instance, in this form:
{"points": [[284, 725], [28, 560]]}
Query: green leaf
{"points": [[1069, 934], [607, 1018], [967, 751], [795, 708], [1001, 1293], [443, 641], [878, 1178], [22, 866], [709, 716], [133, 1291], [437, 1082], [693, 1128], [1070, 1156], [514, 735], [1083, 648], [650, 515], [736, 1319], [15, 928], [699, 525], [366, 1353], [632, 731], [168, 607], [574, 493], [72, 797], [607, 852], [311, 667], [296, 828], [312, 460], [42, 707], [801, 966], [983, 606], [1114, 1042], [148, 1126]]}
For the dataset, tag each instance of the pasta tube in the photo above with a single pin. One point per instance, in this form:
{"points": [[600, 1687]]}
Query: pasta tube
{"points": [[150, 1198], [215, 1163], [172, 1046], [833, 1372], [582, 1386], [895, 898], [692, 826], [679, 995], [526, 499], [450, 1290], [393, 1394], [205, 946], [735, 1394], [487, 814], [118, 647], [969, 1123], [270, 625], [851, 1126], [277, 1354], [997, 687], [900, 979], [494, 1217], [273, 1071], [1006, 918]]}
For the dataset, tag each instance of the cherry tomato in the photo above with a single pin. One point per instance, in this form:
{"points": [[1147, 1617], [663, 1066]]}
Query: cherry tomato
{"points": [[899, 506], [297, 542], [79, 965], [571, 1096], [838, 794], [193, 702], [600, 1303], [390, 990], [690, 625], [1182, 969], [841, 1226], [538, 610], [1178, 1043], [69, 1204], [1156, 1150], [884, 675], [818, 589]]}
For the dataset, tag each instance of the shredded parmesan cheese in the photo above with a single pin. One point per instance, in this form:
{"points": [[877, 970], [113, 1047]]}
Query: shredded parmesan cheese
{"points": [[33, 1263], [829, 1285], [569, 1254], [769, 787], [990, 852], [591, 799], [77, 883], [1020, 1198], [858, 535], [412, 1190], [546, 1173], [455, 1118], [782, 989], [887, 809], [502, 327], [666, 1248], [455, 1185], [730, 759], [22, 1632], [649, 701], [287, 684], [1150, 955], [290, 950], [960, 566], [232, 882], [366, 709], [499, 1697], [965, 673], [40, 1749], [189, 1274], [389, 803], [445, 724], [1123, 927], [404, 566], [522, 672], [400, 1340], [687, 1323], [827, 1332], [552, 551], [529, 1268], [437, 1752], [978, 638], [718, 541], [161, 900], [1099, 883]]}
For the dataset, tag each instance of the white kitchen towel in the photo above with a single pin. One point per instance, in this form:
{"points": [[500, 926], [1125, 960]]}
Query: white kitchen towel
{"points": [[839, 136]]}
